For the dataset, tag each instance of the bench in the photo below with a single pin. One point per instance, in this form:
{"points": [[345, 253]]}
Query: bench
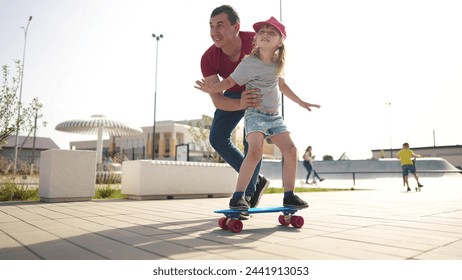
{"points": [[156, 179]]}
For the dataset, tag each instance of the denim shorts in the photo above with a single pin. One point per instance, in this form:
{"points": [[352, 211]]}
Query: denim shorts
{"points": [[408, 168], [267, 123]]}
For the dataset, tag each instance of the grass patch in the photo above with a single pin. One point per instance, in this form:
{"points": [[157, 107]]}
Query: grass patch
{"points": [[108, 192], [300, 190], [14, 192]]}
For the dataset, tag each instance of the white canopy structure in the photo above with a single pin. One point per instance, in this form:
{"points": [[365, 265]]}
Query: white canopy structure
{"points": [[98, 124]]}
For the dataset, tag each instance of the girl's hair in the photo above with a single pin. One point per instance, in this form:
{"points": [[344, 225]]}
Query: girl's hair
{"points": [[307, 148], [232, 14], [279, 56]]}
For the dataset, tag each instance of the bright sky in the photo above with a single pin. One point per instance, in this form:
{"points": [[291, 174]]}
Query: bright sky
{"points": [[352, 57]]}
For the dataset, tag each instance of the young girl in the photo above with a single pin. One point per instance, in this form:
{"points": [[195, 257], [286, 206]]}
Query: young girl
{"points": [[263, 69]]}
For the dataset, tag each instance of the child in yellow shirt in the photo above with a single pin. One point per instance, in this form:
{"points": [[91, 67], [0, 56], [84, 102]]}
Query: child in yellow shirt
{"points": [[405, 156]]}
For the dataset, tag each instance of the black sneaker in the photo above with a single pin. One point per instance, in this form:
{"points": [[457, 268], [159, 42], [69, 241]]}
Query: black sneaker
{"points": [[419, 185], [295, 202], [261, 186], [239, 204], [245, 215]]}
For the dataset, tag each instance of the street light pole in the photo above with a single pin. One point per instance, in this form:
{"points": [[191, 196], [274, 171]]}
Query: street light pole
{"points": [[390, 125], [282, 95], [20, 96], [155, 95]]}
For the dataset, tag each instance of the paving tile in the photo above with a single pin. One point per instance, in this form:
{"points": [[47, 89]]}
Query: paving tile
{"points": [[16, 227], [148, 230], [17, 253], [21, 214], [11, 249], [61, 249], [5, 218], [450, 251], [168, 250], [353, 249], [284, 252], [119, 234], [248, 254], [47, 213], [110, 249], [85, 224], [47, 224]]}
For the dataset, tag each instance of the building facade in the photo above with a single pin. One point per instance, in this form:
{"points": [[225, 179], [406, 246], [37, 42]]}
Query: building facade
{"points": [[29, 148], [169, 134]]}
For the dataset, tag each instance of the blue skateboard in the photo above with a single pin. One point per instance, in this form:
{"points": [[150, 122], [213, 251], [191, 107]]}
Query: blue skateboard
{"points": [[232, 222]]}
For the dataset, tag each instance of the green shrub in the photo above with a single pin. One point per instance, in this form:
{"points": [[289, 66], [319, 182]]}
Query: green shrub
{"points": [[7, 192], [108, 192], [12, 192]]}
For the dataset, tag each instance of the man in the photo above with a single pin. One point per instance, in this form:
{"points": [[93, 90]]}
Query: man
{"points": [[230, 46]]}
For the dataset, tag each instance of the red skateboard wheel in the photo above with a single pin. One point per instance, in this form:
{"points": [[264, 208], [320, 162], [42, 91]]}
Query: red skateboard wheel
{"points": [[297, 221]]}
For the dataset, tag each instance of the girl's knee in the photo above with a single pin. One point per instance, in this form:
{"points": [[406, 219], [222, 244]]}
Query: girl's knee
{"points": [[290, 151], [255, 153]]}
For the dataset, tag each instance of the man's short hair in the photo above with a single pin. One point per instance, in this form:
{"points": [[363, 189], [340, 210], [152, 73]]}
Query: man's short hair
{"points": [[227, 9]]}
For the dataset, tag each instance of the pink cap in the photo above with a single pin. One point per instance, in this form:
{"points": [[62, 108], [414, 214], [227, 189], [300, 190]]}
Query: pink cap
{"points": [[274, 22]]}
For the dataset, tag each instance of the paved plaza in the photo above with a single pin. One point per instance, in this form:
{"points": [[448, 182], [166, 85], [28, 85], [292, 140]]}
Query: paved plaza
{"points": [[377, 223]]}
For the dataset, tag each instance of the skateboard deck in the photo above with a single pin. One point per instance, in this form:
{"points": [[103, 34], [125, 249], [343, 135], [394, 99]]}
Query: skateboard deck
{"points": [[232, 222]]}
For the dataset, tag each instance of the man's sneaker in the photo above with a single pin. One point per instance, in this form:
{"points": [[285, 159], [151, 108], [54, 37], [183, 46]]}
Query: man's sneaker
{"points": [[239, 203], [419, 185], [260, 188], [294, 201]]}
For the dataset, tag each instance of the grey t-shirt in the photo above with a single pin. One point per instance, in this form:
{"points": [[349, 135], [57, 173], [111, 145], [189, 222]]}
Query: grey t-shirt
{"points": [[255, 74]]}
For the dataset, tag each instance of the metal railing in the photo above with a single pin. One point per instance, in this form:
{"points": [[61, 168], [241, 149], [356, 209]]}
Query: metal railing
{"points": [[419, 172]]}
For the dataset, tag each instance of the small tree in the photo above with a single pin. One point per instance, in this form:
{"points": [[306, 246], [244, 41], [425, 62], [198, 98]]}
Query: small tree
{"points": [[10, 105], [200, 134], [327, 158]]}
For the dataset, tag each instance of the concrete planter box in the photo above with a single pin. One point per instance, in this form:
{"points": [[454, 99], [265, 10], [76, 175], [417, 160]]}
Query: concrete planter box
{"points": [[67, 175], [148, 179]]}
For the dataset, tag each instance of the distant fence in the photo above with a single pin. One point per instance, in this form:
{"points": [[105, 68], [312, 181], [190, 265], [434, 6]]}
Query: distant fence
{"points": [[361, 169], [420, 172]]}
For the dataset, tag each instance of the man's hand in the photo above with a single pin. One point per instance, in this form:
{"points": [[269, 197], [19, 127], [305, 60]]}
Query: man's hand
{"points": [[250, 98]]}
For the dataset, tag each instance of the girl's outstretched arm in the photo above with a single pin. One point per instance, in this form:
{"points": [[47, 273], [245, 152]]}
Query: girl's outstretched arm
{"points": [[217, 87], [248, 98], [285, 89]]}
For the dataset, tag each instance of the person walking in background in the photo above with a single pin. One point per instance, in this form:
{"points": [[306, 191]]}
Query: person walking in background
{"points": [[405, 155], [230, 45], [308, 158], [263, 69]]}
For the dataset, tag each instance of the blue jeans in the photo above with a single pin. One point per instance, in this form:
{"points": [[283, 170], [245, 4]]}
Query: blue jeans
{"points": [[223, 125], [309, 168]]}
